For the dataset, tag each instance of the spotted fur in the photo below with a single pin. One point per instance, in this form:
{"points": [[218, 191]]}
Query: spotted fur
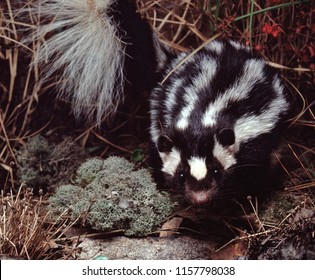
{"points": [[221, 112]]}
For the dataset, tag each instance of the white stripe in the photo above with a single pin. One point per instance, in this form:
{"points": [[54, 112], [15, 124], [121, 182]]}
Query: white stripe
{"points": [[225, 155], [191, 99], [155, 130], [177, 83], [277, 86], [239, 46], [253, 72], [251, 126], [215, 46], [170, 161], [203, 79], [198, 168], [170, 100]]}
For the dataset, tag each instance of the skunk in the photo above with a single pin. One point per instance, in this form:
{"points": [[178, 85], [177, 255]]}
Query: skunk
{"points": [[216, 116], [217, 121]]}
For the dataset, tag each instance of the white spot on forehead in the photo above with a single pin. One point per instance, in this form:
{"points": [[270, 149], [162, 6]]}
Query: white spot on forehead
{"points": [[198, 168], [170, 161], [225, 155], [253, 72]]}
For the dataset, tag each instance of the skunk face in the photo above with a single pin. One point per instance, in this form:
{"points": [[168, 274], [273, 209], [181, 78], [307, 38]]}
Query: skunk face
{"points": [[216, 122]]}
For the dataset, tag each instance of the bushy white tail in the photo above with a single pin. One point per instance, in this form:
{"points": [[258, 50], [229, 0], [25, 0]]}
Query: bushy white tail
{"points": [[78, 40]]}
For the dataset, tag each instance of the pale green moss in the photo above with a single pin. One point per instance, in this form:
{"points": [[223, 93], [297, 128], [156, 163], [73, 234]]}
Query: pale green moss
{"points": [[43, 165], [116, 197]]}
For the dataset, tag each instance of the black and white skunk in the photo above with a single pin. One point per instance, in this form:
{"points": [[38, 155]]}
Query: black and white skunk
{"points": [[216, 120]]}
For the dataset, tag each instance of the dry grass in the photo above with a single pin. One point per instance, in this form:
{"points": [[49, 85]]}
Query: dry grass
{"points": [[281, 31], [19, 94], [26, 231]]}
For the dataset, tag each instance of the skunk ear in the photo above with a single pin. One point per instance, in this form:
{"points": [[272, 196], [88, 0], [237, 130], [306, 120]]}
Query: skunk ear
{"points": [[226, 137], [164, 144]]}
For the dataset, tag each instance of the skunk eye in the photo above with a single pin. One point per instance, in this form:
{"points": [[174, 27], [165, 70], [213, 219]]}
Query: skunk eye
{"points": [[226, 137], [216, 173], [181, 177]]}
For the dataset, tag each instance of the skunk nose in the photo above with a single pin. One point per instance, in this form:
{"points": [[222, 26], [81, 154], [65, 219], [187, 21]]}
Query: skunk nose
{"points": [[200, 198]]}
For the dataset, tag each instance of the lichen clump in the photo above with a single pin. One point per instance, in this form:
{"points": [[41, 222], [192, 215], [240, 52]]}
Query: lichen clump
{"points": [[42, 164], [110, 194]]}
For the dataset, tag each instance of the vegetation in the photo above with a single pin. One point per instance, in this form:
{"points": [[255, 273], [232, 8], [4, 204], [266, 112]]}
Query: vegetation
{"points": [[282, 31], [110, 195]]}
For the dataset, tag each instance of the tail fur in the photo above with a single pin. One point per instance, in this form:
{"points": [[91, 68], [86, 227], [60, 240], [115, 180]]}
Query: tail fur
{"points": [[79, 41]]}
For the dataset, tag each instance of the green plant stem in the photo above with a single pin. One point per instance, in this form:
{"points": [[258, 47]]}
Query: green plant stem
{"points": [[270, 8], [251, 22]]}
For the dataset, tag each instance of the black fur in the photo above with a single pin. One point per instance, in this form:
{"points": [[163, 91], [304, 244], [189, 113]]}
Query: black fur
{"points": [[251, 173], [140, 58]]}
